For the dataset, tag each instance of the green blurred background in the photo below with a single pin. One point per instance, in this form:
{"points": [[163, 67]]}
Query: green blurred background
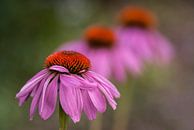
{"points": [[30, 30]]}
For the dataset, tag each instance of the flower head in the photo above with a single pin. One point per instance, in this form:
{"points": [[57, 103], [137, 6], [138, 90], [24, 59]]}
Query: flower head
{"points": [[73, 61], [100, 37], [138, 32], [108, 58], [137, 16], [68, 75]]}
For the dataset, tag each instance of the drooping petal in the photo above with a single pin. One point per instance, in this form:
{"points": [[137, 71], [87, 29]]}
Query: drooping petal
{"points": [[103, 57], [164, 48], [44, 93], [42, 72], [106, 88], [36, 99], [132, 62], [31, 84], [79, 100], [68, 99], [118, 68], [103, 81], [59, 69], [95, 95], [49, 103], [70, 80], [98, 99], [86, 83], [89, 107], [23, 99], [109, 96]]}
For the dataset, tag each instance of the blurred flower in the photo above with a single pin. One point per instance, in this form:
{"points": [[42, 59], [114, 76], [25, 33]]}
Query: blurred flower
{"points": [[138, 31], [107, 56], [67, 74]]}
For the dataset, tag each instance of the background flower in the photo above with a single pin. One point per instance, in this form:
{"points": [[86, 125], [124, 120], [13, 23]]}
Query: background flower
{"points": [[138, 31], [108, 57]]}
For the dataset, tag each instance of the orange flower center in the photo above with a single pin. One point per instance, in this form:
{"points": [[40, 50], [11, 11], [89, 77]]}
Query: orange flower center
{"points": [[136, 16], [73, 61], [99, 37]]}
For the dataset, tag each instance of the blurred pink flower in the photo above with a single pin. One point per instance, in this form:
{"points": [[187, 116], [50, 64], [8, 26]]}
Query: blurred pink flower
{"points": [[138, 32], [80, 90], [107, 56]]}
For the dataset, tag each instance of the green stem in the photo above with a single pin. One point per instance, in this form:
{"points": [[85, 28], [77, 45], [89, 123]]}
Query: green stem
{"points": [[63, 119], [121, 115]]}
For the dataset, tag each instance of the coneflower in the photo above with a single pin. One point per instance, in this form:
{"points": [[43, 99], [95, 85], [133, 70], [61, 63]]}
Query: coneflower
{"points": [[67, 74], [138, 31]]}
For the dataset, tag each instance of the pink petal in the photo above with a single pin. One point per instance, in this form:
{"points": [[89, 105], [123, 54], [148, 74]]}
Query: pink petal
{"points": [[23, 99], [89, 108], [103, 81], [107, 88], [31, 84], [49, 103], [36, 98], [68, 99], [86, 83], [42, 72], [70, 80], [59, 69], [44, 93], [98, 100], [132, 62], [100, 60]]}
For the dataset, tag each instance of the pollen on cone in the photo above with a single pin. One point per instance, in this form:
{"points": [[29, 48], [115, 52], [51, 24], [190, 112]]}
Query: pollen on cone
{"points": [[73, 61]]}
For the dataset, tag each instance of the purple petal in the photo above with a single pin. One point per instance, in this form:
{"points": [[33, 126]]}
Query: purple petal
{"points": [[44, 93], [36, 99], [31, 84], [100, 62], [109, 96], [89, 108], [34, 90], [86, 83], [70, 80], [59, 69], [79, 100], [132, 62], [118, 68], [49, 103], [98, 100], [68, 100], [107, 88], [23, 99], [103, 81], [164, 48]]}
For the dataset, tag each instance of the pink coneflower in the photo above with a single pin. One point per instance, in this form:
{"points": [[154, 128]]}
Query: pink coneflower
{"points": [[138, 31], [107, 57], [67, 74]]}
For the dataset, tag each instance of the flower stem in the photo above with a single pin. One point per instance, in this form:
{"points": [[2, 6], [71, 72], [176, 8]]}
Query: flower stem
{"points": [[63, 119], [121, 116]]}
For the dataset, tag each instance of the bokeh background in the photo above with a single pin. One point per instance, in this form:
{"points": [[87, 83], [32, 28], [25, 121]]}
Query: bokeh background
{"points": [[163, 99]]}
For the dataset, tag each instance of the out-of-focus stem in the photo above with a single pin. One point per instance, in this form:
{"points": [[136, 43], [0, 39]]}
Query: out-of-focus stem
{"points": [[122, 113]]}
